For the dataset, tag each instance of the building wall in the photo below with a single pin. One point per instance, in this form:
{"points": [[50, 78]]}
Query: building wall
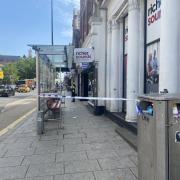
{"points": [[114, 7], [109, 50]]}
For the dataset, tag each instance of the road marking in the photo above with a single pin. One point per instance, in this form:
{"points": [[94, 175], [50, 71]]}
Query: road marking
{"points": [[12, 125], [20, 102]]}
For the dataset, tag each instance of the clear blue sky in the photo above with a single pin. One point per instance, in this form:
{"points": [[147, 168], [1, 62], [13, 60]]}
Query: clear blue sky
{"points": [[25, 22]]}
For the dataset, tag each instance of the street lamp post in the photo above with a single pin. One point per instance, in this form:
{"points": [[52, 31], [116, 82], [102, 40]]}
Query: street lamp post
{"points": [[52, 28]]}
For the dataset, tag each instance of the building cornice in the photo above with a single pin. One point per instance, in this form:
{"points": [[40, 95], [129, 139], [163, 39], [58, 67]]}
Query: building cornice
{"points": [[95, 19], [133, 4], [122, 11], [114, 24], [105, 3]]}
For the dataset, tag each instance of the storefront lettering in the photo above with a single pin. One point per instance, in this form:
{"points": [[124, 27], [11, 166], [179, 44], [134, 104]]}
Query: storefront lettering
{"points": [[83, 55], [154, 12]]}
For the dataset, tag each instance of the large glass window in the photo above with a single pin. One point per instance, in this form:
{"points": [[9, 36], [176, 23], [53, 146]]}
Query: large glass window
{"points": [[152, 45]]}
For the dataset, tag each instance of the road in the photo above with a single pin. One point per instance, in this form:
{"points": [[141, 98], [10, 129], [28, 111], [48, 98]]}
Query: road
{"points": [[14, 107]]}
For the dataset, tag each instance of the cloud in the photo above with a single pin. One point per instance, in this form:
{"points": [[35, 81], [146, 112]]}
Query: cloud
{"points": [[63, 16], [63, 10], [67, 33], [74, 3]]}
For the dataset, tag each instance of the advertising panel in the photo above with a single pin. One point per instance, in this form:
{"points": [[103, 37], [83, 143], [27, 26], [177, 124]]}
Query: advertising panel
{"points": [[153, 19], [83, 55], [152, 67]]}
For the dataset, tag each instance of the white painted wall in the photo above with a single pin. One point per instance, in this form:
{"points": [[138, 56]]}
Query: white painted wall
{"points": [[115, 57], [120, 76], [108, 65], [133, 60], [114, 76], [141, 48], [98, 39], [169, 46]]}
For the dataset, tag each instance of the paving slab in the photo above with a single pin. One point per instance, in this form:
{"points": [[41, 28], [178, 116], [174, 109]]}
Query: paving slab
{"points": [[20, 152], [81, 166], [118, 174], [100, 154], [45, 169], [77, 176], [71, 156], [18, 145], [123, 162], [39, 159], [48, 149], [11, 161], [50, 138], [76, 147], [74, 135], [47, 143], [70, 141], [13, 172], [38, 178], [3, 152]]}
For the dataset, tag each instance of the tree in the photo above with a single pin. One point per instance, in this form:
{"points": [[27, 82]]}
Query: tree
{"points": [[26, 68], [10, 74]]}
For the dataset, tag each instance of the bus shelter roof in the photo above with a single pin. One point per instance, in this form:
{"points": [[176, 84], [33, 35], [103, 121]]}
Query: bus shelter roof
{"points": [[60, 56]]}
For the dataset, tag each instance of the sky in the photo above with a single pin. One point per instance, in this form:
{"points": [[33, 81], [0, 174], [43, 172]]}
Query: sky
{"points": [[24, 22]]}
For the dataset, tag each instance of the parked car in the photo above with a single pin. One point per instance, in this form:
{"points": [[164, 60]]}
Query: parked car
{"points": [[23, 88], [6, 90], [13, 86]]}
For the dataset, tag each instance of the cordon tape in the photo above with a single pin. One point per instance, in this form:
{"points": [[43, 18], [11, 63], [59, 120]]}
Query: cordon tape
{"points": [[55, 95]]}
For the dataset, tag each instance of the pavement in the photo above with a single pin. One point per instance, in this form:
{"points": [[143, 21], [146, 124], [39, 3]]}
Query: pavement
{"points": [[86, 147]]}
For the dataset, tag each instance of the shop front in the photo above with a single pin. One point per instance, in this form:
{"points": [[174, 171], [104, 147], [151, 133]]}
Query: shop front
{"points": [[152, 45]]}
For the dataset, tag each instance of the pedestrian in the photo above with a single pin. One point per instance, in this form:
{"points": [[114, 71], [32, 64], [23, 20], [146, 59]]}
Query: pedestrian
{"points": [[73, 91]]}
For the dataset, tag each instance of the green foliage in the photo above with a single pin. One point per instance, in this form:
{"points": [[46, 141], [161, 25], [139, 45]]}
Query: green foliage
{"points": [[25, 68], [10, 73]]}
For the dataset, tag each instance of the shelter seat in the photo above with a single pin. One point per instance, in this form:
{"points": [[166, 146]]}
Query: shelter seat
{"points": [[54, 105]]}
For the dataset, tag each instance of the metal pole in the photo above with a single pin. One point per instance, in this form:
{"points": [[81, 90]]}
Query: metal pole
{"points": [[52, 30], [38, 80]]}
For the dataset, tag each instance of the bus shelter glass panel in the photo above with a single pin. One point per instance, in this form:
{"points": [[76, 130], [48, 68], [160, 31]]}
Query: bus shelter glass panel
{"points": [[47, 75], [49, 59]]}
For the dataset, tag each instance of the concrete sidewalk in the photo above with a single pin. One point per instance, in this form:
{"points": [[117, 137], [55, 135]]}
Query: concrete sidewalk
{"points": [[86, 148]]}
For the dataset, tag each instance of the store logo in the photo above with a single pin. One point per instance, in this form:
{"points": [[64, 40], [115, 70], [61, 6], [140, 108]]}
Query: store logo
{"points": [[154, 12], [83, 55]]}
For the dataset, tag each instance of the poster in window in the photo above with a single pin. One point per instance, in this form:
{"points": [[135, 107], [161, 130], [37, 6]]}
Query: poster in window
{"points": [[152, 67], [153, 20]]}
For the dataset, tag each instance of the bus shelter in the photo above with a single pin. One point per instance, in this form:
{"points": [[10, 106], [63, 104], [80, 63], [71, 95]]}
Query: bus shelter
{"points": [[51, 61]]}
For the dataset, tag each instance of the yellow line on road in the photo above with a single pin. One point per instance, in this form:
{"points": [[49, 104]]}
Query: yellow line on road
{"points": [[12, 125]]}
